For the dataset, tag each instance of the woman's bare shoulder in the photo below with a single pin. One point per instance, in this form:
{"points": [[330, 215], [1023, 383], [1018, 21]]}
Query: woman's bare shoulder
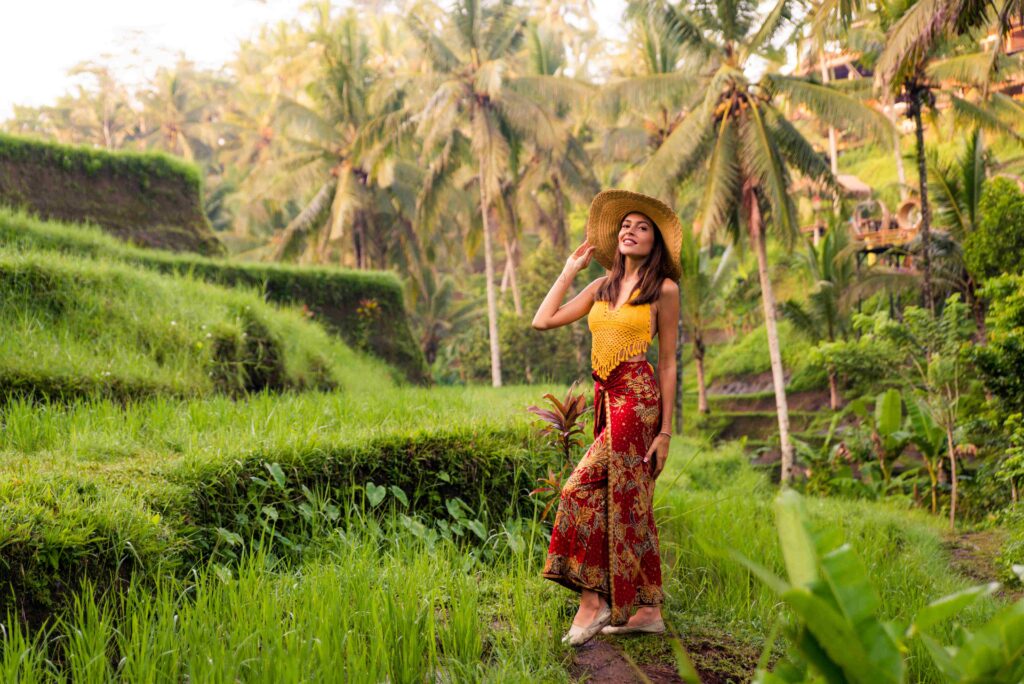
{"points": [[596, 283], [669, 288]]}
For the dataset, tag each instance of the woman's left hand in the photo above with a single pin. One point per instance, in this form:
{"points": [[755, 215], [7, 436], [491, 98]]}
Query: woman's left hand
{"points": [[659, 451]]}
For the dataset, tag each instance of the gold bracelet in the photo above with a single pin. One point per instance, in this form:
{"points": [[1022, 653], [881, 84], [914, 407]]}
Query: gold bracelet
{"points": [[665, 433]]}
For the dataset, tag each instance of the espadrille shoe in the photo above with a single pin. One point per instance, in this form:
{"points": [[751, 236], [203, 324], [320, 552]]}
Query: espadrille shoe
{"points": [[577, 636], [656, 627]]}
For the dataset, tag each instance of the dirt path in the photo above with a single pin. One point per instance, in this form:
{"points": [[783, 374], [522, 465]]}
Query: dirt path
{"points": [[973, 554], [719, 659]]}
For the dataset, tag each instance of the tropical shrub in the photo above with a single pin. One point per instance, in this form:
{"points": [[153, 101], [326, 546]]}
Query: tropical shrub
{"points": [[997, 245], [834, 633]]}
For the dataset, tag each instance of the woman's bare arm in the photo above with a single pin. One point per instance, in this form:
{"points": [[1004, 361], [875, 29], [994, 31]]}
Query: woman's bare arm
{"points": [[552, 313], [668, 334]]}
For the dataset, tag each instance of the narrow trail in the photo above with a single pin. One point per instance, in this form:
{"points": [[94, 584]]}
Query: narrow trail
{"points": [[973, 554], [718, 659]]}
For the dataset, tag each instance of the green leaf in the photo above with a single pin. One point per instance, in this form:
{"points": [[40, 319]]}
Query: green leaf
{"points": [[455, 506], [941, 657], [888, 412], [837, 637], [399, 494], [995, 651], [275, 472], [375, 493], [797, 546], [948, 606], [228, 537], [847, 578], [477, 528]]}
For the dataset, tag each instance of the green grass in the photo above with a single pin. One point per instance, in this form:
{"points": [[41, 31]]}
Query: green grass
{"points": [[748, 355], [330, 296], [93, 488], [75, 327], [480, 611], [373, 603]]}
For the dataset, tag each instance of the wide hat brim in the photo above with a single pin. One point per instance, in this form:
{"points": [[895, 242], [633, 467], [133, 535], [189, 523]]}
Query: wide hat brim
{"points": [[611, 206]]}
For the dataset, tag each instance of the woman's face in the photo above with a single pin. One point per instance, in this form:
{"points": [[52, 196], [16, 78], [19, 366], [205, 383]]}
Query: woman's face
{"points": [[636, 235]]}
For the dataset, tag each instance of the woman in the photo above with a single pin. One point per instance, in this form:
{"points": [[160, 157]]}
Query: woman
{"points": [[604, 543]]}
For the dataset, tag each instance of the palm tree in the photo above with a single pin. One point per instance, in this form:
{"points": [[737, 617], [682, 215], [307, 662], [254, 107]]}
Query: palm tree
{"points": [[475, 102], [179, 110], [331, 135], [734, 134], [702, 289]]}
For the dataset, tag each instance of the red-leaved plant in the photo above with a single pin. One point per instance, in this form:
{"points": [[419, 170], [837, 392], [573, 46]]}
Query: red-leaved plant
{"points": [[564, 429]]}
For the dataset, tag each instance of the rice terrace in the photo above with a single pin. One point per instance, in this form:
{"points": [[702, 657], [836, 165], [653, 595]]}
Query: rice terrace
{"points": [[512, 341]]}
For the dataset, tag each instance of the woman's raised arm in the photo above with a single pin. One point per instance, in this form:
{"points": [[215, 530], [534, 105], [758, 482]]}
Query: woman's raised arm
{"points": [[551, 313]]}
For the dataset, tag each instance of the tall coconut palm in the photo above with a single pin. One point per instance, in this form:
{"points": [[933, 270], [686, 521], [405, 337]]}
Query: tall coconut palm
{"points": [[474, 98], [734, 135], [329, 133], [180, 107]]}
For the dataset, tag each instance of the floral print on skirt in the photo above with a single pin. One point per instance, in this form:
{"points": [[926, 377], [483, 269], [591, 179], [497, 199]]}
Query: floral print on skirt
{"points": [[604, 538]]}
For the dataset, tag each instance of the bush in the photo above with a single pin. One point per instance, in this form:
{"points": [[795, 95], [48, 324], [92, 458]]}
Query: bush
{"points": [[997, 246]]}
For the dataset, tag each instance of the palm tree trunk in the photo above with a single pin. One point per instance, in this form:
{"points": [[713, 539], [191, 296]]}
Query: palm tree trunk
{"points": [[559, 234], [833, 154], [510, 250], [833, 390], [952, 477], [702, 390], [757, 238], [922, 171], [492, 298], [933, 479]]}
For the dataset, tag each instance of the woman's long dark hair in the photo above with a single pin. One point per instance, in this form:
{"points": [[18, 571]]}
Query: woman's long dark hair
{"points": [[652, 272]]}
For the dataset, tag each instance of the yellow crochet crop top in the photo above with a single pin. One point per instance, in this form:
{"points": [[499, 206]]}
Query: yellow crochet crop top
{"points": [[618, 334]]}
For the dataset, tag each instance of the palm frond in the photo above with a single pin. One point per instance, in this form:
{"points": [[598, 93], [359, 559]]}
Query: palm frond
{"points": [[679, 154], [441, 57], [910, 38], [833, 106], [530, 120], [558, 91], [764, 165], [644, 93], [300, 226], [722, 185], [770, 26], [984, 116], [974, 68], [945, 191], [797, 151]]}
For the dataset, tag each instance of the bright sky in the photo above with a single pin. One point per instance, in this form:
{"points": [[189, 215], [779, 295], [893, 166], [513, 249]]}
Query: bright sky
{"points": [[41, 41]]}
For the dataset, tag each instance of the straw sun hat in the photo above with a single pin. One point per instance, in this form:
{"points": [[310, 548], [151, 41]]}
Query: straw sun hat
{"points": [[611, 206]]}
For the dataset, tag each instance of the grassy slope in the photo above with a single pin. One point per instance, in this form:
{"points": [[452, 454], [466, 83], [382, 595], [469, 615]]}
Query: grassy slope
{"points": [[76, 326], [332, 296]]}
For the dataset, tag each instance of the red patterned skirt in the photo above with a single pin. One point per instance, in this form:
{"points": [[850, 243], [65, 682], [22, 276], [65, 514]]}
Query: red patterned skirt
{"points": [[604, 538]]}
